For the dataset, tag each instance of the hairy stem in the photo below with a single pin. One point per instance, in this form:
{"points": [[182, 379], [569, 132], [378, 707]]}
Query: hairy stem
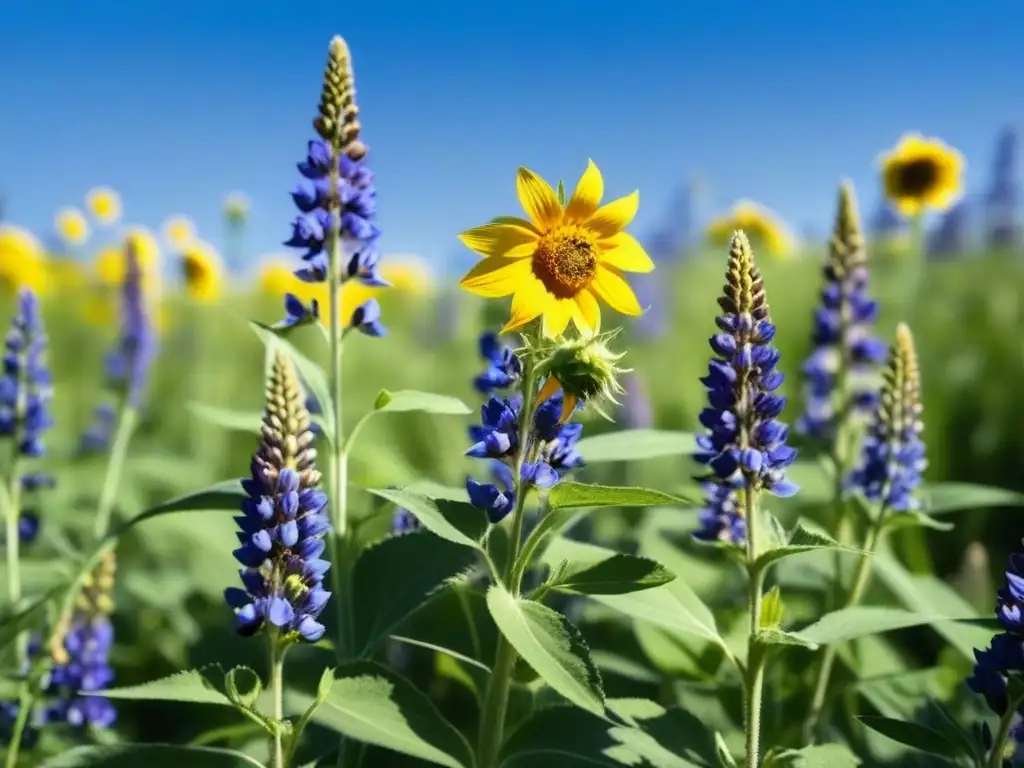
{"points": [[995, 757], [755, 656], [277, 694], [126, 421]]}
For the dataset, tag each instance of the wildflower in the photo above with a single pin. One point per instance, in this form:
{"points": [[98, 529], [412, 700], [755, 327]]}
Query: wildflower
{"points": [[557, 264], [845, 351], [366, 319], [179, 232], [71, 226], [404, 522], [104, 204], [893, 455], [81, 656], [745, 445], [202, 270], [22, 260], [128, 364], [921, 173], [236, 208], [96, 439], [503, 366], [111, 262], [761, 226], [283, 523]]}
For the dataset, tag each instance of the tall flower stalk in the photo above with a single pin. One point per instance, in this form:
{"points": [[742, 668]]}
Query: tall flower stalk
{"points": [[891, 463], [745, 448]]}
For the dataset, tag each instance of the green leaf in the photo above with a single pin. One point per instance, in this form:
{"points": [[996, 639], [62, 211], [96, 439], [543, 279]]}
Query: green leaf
{"points": [[772, 609], [800, 540], [244, 697], [560, 737], [151, 756], [413, 400], [776, 636], [919, 737], [725, 758], [239, 421], [459, 523], [197, 686], [551, 645], [823, 756], [581, 495], [672, 738], [915, 518], [313, 375], [955, 497], [634, 445], [858, 621], [223, 497], [615, 574], [371, 704], [385, 593], [30, 617]]}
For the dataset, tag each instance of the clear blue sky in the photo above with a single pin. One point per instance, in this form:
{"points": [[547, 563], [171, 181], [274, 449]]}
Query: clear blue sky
{"points": [[177, 103]]}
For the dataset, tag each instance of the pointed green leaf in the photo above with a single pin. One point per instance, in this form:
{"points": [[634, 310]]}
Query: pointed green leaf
{"points": [[197, 686], [552, 645], [772, 609], [151, 756], [568, 495], [858, 621], [920, 737], [371, 704], [725, 758], [223, 497], [635, 445], [915, 519], [673, 738], [823, 756], [615, 574], [800, 540], [776, 636], [560, 737], [460, 523], [433, 490], [413, 400], [243, 687], [943, 498], [238, 421], [385, 593]]}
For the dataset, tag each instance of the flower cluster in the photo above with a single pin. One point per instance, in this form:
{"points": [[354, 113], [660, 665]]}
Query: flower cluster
{"points": [[284, 521], [893, 455], [25, 396], [503, 366], [337, 201], [745, 444], [843, 345]]}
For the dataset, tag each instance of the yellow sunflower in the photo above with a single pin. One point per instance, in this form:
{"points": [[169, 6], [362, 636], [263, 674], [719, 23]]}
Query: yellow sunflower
{"points": [[201, 268], [71, 226], [179, 232], [104, 204], [762, 227], [559, 263], [236, 208], [408, 274], [22, 260], [276, 278], [921, 173], [110, 262]]}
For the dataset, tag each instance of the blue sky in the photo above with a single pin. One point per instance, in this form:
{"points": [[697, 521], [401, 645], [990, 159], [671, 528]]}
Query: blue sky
{"points": [[177, 104]]}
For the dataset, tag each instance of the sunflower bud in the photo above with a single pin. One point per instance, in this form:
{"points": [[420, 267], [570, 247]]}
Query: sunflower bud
{"points": [[584, 369]]}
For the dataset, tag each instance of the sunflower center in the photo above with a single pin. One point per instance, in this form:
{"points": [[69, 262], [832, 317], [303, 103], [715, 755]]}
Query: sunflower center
{"points": [[917, 177], [194, 270], [565, 261]]}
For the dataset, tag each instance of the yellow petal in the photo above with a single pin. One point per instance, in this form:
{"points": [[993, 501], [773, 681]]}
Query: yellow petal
{"points": [[589, 311], [612, 288], [557, 316], [538, 199], [568, 406], [496, 276], [549, 390], [625, 253], [530, 300], [614, 216], [499, 239], [587, 195]]}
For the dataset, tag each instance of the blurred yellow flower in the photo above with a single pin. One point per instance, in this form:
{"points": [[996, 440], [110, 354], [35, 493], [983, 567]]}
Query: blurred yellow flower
{"points": [[236, 208], [921, 173], [104, 204], [71, 226], [179, 232], [67, 276], [110, 261], [762, 227], [202, 271], [277, 278], [22, 260], [408, 274]]}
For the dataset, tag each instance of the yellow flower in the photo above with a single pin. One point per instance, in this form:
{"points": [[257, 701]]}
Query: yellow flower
{"points": [[921, 173], [407, 274], [179, 232], [236, 208], [201, 268], [104, 204], [68, 276], [71, 226], [110, 262], [277, 278], [762, 227], [22, 260], [559, 263]]}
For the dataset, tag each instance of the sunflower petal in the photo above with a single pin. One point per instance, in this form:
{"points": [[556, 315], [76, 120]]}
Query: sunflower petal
{"points": [[589, 311], [549, 390], [613, 217], [557, 316], [538, 199], [496, 276], [612, 288], [625, 253], [530, 300], [498, 239], [587, 196]]}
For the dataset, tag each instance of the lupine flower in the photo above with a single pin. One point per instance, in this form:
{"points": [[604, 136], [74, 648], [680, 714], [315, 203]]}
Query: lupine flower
{"points": [[1002, 218], [845, 351], [283, 522], [745, 445], [96, 439], [503, 366], [893, 454], [129, 363], [338, 198]]}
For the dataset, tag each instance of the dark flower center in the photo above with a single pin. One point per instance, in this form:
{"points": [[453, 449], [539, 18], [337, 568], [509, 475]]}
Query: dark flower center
{"points": [[565, 261], [194, 269], [916, 178]]}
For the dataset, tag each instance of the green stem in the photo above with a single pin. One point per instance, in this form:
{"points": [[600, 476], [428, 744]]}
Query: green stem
{"points": [[25, 704], [755, 655], [277, 694], [995, 757], [492, 720], [126, 421]]}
